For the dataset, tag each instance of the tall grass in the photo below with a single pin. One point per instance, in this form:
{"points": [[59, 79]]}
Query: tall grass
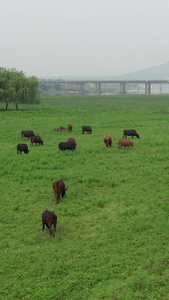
{"points": [[112, 233]]}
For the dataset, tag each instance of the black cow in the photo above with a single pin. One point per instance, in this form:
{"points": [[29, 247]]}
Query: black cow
{"points": [[22, 148], [87, 129], [130, 132], [36, 139], [49, 218], [66, 146], [27, 133]]}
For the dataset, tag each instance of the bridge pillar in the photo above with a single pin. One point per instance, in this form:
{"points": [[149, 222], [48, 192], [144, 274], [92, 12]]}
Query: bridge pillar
{"points": [[97, 88], [122, 87], [147, 88], [81, 87]]}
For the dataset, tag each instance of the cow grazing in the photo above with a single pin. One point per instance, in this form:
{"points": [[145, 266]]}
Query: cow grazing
{"points": [[27, 133], [59, 189], [56, 129], [87, 129], [66, 146], [22, 148], [36, 140], [125, 143], [62, 128], [73, 141], [108, 141], [49, 218], [69, 127], [130, 132]]}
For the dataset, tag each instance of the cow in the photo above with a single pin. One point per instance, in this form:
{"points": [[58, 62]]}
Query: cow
{"points": [[87, 129], [69, 127], [49, 218], [27, 133], [73, 141], [130, 132], [59, 189], [125, 143], [66, 146], [22, 148], [56, 129], [36, 140], [62, 128], [108, 141]]}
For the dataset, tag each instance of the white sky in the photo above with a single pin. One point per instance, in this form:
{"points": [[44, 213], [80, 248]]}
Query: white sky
{"points": [[83, 37]]}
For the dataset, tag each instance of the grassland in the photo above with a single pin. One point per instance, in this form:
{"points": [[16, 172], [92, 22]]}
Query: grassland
{"points": [[112, 233]]}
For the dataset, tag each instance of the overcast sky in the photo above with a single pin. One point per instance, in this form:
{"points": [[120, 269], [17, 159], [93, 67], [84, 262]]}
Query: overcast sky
{"points": [[83, 37]]}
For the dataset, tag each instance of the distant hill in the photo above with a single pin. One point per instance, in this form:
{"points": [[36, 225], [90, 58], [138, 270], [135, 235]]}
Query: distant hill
{"points": [[157, 72], [154, 73]]}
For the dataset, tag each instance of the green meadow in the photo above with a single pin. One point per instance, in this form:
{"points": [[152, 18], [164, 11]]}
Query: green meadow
{"points": [[112, 235]]}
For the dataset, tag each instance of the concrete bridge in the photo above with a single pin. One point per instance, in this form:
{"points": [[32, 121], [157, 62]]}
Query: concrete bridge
{"points": [[78, 85]]}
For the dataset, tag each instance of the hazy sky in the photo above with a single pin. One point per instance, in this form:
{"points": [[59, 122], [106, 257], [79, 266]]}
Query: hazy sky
{"points": [[83, 37]]}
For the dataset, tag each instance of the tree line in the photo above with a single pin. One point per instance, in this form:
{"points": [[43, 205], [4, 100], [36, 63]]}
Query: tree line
{"points": [[16, 88]]}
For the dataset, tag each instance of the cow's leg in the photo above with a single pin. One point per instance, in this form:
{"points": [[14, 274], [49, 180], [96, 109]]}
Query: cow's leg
{"points": [[57, 200], [50, 228], [43, 227]]}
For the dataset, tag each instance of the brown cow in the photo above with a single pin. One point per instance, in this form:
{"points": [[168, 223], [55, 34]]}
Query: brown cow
{"points": [[62, 128], [125, 143], [69, 127], [73, 141], [108, 141], [59, 189], [56, 129], [49, 218]]}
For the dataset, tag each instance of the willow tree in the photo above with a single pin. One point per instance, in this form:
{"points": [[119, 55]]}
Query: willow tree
{"points": [[17, 88]]}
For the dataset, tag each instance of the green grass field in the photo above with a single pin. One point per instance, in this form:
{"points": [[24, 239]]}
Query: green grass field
{"points": [[112, 234]]}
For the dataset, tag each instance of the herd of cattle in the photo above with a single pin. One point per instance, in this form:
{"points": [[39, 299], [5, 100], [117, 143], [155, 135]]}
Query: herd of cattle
{"points": [[49, 218]]}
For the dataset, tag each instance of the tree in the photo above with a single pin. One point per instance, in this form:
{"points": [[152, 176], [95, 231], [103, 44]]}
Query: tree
{"points": [[16, 87]]}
